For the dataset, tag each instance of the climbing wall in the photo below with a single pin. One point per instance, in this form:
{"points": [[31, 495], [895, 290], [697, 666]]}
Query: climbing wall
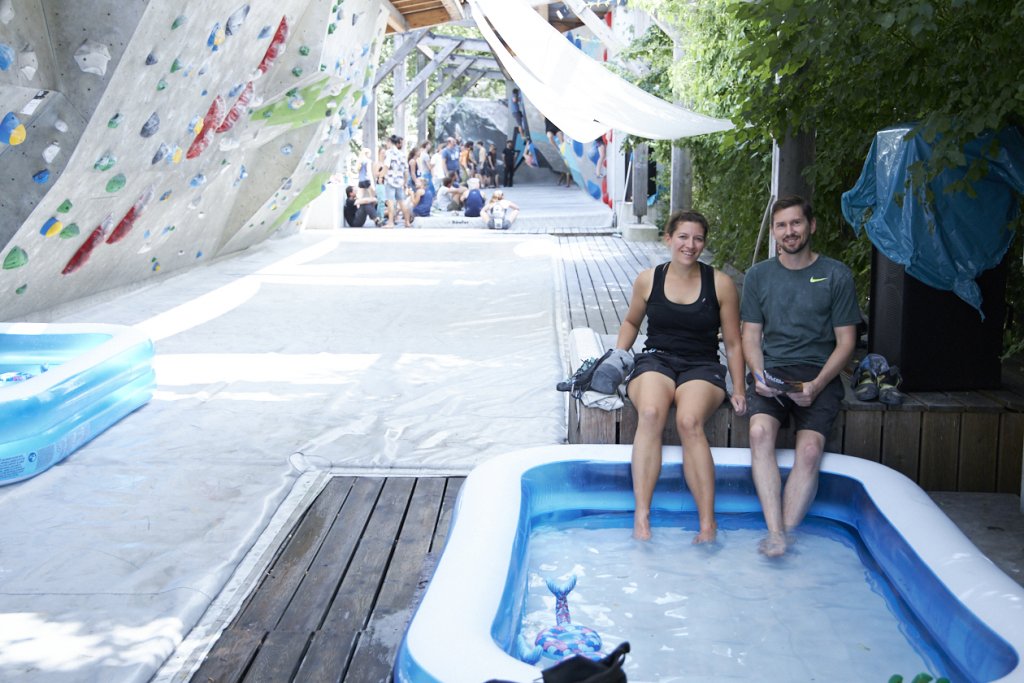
{"points": [[139, 138]]}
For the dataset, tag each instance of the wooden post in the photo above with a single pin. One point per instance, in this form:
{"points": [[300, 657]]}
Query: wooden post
{"points": [[681, 198], [421, 97], [370, 127], [399, 126], [796, 152]]}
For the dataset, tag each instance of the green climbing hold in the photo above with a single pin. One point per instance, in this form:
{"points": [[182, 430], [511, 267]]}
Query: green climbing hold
{"points": [[114, 121], [105, 162], [292, 93], [21, 290], [15, 258], [65, 206], [69, 231], [178, 22], [331, 28], [304, 50], [162, 85], [116, 183], [297, 71], [175, 65]]}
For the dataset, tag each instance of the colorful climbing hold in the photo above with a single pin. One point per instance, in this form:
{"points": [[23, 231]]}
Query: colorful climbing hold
{"points": [[51, 152], [116, 183], [161, 85], [51, 227], [304, 50], [214, 116], [7, 56], [197, 180], [286, 149], [21, 290], [176, 155], [105, 162], [234, 22], [236, 109], [176, 65], [274, 49], [61, 125], [126, 223], [83, 252], [151, 125], [264, 32], [165, 195], [297, 71], [69, 231], [65, 206], [40, 177], [114, 121], [331, 28], [216, 37], [181, 19], [151, 59], [161, 153], [92, 57], [12, 131], [15, 258]]}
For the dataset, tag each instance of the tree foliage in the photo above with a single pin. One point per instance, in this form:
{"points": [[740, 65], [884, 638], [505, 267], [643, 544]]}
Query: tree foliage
{"points": [[841, 69]]}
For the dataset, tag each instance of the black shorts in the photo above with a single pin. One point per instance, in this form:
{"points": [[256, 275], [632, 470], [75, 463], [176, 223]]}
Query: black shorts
{"points": [[817, 417], [678, 369]]}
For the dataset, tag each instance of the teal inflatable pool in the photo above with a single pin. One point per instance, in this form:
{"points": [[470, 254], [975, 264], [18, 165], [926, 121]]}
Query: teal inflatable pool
{"points": [[63, 384]]}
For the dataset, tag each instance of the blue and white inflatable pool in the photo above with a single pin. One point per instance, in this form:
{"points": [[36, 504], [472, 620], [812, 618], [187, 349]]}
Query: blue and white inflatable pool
{"points": [[466, 625], [63, 384]]}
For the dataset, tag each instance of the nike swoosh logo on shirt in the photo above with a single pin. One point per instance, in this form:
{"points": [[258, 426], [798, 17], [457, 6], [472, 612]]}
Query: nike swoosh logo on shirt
{"points": [[818, 279]]}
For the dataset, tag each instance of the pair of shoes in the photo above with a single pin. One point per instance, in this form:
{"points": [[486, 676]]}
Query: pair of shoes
{"points": [[888, 387], [864, 381]]}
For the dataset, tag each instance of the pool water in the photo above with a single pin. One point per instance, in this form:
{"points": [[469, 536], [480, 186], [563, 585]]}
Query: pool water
{"points": [[724, 612]]}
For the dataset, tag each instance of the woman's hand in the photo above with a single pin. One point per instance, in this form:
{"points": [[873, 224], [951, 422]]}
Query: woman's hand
{"points": [[739, 402]]}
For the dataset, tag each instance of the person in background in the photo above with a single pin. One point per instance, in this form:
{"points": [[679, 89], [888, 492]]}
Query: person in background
{"points": [[491, 166], [686, 304], [438, 172], [467, 166], [450, 154], [800, 319], [395, 177], [499, 213], [449, 197], [508, 159], [360, 206], [474, 199], [422, 199]]}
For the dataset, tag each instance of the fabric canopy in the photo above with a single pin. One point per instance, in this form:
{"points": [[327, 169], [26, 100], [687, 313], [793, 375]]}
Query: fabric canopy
{"points": [[578, 94]]}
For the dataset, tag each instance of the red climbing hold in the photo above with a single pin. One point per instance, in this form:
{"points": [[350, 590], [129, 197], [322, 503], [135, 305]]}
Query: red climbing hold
{"points": [[82, 255], [236, 109], [126, 224], [213, 118], [274, 49]]}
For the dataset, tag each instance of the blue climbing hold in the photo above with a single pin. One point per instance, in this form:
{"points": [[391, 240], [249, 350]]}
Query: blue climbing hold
{"points": [[593, 189], [7, 56], [41, 177]]}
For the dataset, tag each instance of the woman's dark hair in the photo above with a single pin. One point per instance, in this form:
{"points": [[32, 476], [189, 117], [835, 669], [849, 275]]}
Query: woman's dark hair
{"points": [[680, 217]]}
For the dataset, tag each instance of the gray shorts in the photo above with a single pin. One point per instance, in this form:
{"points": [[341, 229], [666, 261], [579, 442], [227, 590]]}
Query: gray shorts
{"points": [[817, 417], [392, 193]]}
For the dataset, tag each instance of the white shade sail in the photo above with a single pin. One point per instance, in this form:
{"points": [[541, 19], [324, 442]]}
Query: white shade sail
{"points": [[578, 94]]}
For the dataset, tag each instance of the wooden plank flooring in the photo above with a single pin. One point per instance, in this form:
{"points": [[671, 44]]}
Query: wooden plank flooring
{"points": [[335, 601]]}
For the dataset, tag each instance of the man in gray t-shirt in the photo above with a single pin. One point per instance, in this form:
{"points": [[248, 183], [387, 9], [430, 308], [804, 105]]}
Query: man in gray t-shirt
{"points": [[799, 318]]}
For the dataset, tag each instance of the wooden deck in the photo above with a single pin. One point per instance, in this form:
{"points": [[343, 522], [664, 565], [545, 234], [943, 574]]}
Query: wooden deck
{"points": [[335, 601]]}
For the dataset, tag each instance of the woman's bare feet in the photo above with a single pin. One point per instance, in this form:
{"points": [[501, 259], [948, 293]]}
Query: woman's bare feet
{"points": [[773, 545], [707, 535], [641, 526]]}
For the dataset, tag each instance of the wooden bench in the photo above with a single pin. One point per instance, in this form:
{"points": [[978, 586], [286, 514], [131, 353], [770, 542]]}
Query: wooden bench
{"points": [[944, 441]]}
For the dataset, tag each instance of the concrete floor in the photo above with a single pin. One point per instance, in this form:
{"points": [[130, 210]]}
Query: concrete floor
{"points": [[994, 522]]}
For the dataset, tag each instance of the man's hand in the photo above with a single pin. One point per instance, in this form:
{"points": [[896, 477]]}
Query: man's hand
{"points": [[806, 397], [762, 388]]}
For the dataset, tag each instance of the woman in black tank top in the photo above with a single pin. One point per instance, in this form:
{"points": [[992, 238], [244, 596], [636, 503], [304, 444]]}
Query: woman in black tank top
{"points": [[686, 303]]}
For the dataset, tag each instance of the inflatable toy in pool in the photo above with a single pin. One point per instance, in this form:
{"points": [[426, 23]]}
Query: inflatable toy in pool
{"points": [[64, 385], [565, 638]]}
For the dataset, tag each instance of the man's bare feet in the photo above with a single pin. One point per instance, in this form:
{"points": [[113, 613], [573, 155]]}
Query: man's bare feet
{"points": [[641, 527], [773, 545], [706, 535]]}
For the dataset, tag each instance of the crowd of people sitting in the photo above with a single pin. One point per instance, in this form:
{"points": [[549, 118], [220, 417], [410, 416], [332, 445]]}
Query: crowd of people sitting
{"points": [[401, 186]]}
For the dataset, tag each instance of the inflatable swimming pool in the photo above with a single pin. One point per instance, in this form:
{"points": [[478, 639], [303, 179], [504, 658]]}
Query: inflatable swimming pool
{"points": [[63, 384], [466, 624]]}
